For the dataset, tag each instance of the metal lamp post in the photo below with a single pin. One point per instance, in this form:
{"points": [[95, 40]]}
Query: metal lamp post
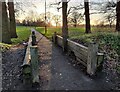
{"points": [[45, 19]]}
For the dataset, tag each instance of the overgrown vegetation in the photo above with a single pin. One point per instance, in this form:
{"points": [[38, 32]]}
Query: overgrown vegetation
{"points": [[108, 43], [107, 38], [102, 38]]}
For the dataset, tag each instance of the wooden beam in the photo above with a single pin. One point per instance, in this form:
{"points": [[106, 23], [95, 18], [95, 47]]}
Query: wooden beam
{"points": [[88, 56], [92, 58], [26, 65], [34, 64]]}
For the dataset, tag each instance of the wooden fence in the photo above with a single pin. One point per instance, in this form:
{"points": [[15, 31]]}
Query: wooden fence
{"points": [[30, 63], [88, 56]]}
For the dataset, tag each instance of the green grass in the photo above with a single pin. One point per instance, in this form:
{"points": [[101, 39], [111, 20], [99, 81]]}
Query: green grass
{"points": [[50, 31], [4, 47], [23, 34], [73, 32], [105, 37]]}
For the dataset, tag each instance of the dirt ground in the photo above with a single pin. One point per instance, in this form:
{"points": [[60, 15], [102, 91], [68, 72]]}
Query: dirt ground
{"points": [[11, 67]]}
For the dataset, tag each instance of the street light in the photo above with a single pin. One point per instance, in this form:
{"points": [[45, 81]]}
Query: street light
{"points": [[45, 19]]}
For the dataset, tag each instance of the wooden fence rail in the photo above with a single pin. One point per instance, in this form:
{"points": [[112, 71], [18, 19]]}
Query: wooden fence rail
{"points": [[88, 56], [30, 63]]}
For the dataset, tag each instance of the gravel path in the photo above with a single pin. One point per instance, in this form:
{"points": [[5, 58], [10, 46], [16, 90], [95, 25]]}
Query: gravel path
{"points": [[58, 73]]}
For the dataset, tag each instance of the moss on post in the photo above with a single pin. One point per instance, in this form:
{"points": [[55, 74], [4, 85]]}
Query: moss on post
{"points": [[34, 63], [92, 58], [27, 74], [33, 38]]}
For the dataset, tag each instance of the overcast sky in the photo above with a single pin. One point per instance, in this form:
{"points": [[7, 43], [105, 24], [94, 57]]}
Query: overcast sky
{"points": [[39, 7]]}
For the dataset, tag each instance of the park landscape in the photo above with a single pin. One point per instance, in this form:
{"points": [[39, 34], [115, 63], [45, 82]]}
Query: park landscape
{"points": [[72, 24]]}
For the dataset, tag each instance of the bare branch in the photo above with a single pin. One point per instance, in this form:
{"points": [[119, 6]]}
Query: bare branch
{"points": [[57, 3]]}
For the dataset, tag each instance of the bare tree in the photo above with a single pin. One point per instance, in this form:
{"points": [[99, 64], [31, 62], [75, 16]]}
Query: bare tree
{"points": [[110, 19], [12, 19], [70, 9], [5, 27], [107, 10], [48, 17], [75, 18], [118, 16], [56, 19], [87, 17]]}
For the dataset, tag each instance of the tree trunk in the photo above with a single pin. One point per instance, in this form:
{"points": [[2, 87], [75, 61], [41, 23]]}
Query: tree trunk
{"points": [[75, 25], [110, 25], [65, 26], [56, 24], [5, 26], [12, 19], [87, 16], [0, 21], [118, 17]]}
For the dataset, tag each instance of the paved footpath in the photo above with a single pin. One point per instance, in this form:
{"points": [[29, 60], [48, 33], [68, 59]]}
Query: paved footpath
{"points": [[57, 73]]}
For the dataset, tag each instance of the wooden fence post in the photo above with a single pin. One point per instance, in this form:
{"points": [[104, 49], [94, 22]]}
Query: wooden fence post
{"points": [[92, 58], [34, 63], [65, 44], [55, 38], [27, 75], [33, 38]]}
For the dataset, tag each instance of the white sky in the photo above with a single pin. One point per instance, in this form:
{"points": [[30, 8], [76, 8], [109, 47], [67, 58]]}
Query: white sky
{"points": [[40, 7]]}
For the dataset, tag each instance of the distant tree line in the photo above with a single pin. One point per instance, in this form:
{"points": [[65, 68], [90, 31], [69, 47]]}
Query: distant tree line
{"points": [[39, 20], [37, 23]]}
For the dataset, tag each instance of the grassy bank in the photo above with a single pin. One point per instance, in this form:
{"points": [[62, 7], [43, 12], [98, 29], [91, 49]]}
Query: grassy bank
{"points": [[23, 34], [105, 38], [51, 30], [77, 34]]}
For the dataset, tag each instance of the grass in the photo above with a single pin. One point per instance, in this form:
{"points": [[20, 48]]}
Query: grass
{"points": [[23, 34], [4, 47], [50, 31], [73, 32], [106, 37]]}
